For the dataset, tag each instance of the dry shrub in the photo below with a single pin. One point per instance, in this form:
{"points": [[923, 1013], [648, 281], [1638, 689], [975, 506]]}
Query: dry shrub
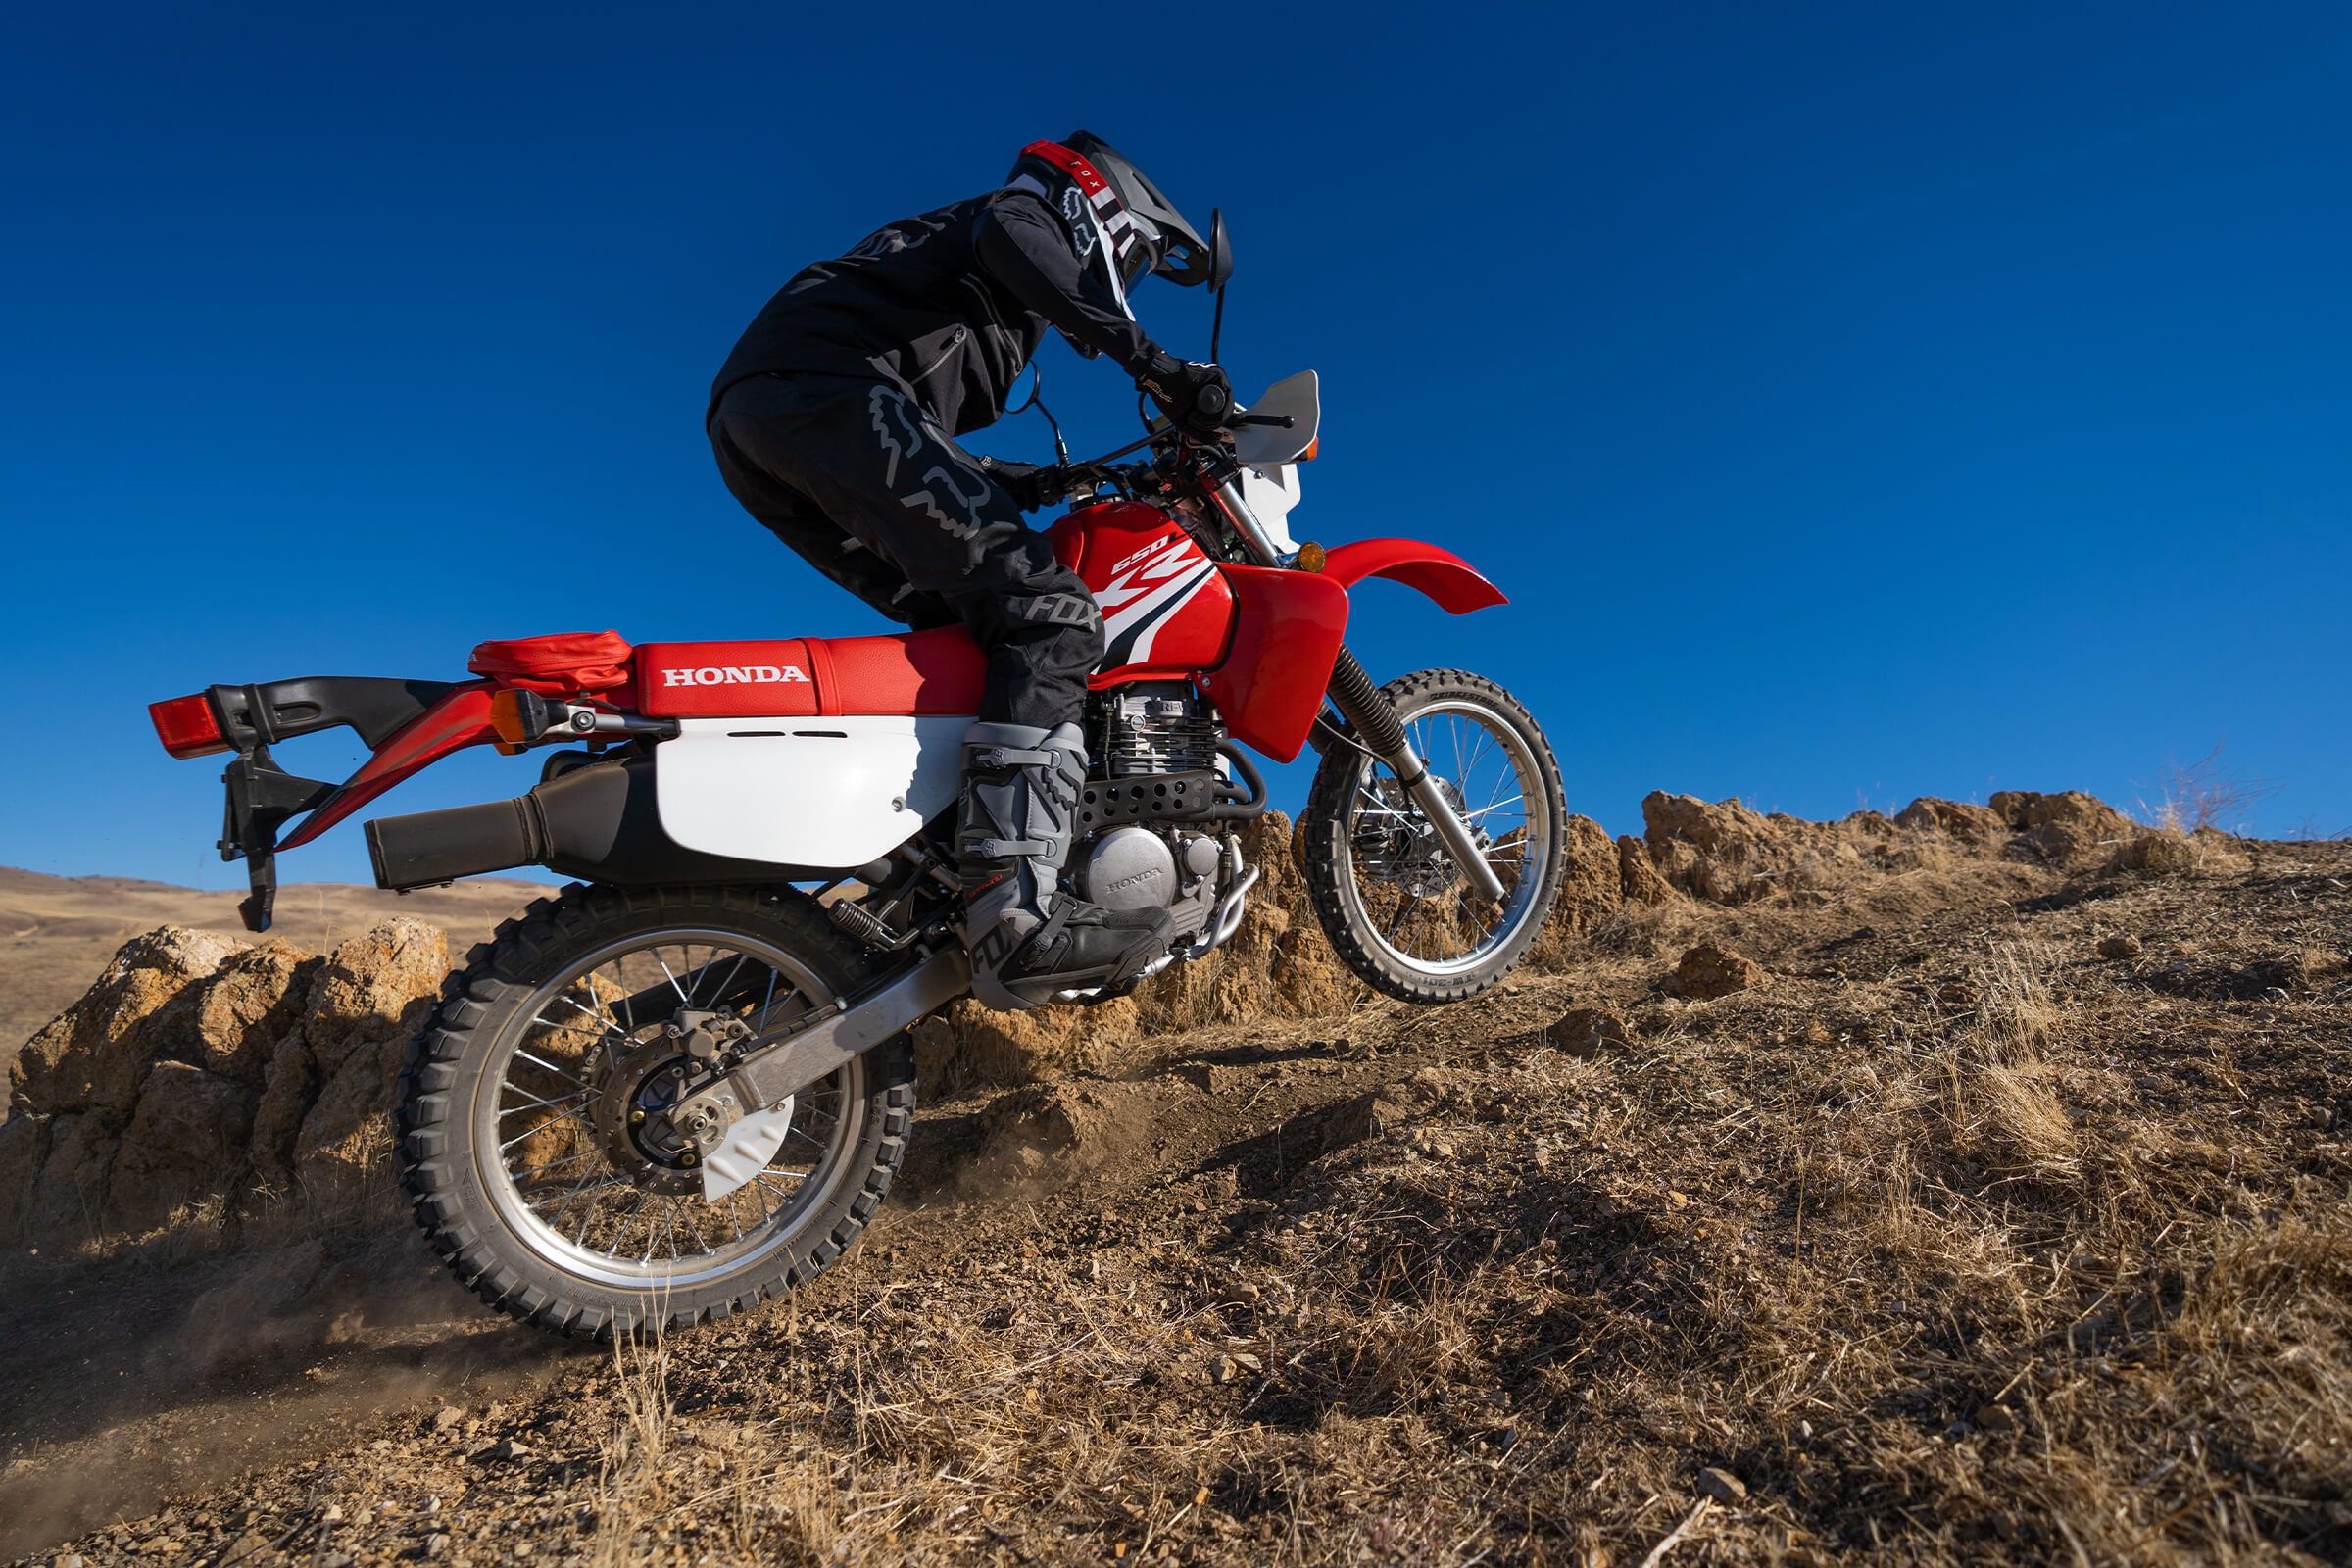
{"points": [[2169, 851], [2206, 796]]}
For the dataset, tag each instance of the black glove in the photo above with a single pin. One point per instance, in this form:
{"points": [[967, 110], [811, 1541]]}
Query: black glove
{"points": [[1032, 486], [1196, 396]]}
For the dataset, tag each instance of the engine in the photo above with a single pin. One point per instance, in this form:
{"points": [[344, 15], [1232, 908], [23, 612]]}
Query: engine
{"points": [[1156, 758]]}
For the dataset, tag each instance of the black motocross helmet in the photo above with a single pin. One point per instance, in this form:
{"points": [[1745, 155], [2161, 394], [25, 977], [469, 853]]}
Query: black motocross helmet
{"points": [[1116, 217]]}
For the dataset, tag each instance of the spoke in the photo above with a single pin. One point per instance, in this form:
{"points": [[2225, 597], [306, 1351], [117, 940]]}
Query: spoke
{"points": [[628, 999], [587, 982], [769, 999], [566, 1025], [602, 1020], [561, 1159], [549, 1066], [683, 999], [544, 1126], [626, 1220], [554, 1221], [1377, 804], [1485, 740], [719, 989], [1472, 816], [1506, 778], [1411, 902], [534, 1104]]}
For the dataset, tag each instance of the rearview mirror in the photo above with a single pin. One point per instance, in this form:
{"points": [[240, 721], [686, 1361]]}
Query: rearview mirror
{"points": [[1220, 250]]}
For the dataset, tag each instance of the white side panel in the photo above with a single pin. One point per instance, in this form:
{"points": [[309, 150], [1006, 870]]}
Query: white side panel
{"points": [[826, 792]]}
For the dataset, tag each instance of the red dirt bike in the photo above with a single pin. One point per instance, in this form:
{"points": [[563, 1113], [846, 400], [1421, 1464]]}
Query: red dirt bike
{"points": [[685, 1083]]}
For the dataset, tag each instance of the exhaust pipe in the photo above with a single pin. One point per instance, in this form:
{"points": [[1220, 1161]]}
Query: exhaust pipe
{"points": [[597, 822]]}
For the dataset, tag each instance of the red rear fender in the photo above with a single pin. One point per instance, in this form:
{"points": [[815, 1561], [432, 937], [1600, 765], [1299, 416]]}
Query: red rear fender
{"points": [[461, 719], [1444, 576]]}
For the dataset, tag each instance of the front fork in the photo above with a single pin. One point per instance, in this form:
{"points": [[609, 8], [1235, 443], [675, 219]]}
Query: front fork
{"points": [[1376, 725], [1375, 721]]}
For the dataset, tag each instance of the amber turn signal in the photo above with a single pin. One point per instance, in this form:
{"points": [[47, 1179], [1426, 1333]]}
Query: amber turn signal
{"points": [[1310, 556], [506, 716]]}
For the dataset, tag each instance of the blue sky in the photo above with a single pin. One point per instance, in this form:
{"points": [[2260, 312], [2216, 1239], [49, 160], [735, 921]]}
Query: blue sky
{"points": [[1858, 402]]}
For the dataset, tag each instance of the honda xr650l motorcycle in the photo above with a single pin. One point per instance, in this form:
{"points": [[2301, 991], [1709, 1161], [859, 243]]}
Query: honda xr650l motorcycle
{"points": [[685, 1082]]}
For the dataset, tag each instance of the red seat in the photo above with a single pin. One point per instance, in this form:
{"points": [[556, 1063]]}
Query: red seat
{"points": [[566, 663], [937, 672]]}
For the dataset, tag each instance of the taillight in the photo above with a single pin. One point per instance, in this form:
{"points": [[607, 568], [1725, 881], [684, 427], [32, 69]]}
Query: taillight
{"points": [[188, 726]]}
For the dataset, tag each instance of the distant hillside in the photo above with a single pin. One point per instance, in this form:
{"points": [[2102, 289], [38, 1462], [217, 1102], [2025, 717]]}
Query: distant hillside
{"points": [[57, 932]]}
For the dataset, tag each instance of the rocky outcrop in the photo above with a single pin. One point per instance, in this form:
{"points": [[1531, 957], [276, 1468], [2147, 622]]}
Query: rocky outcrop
{"points": [[2169, 851], [1638, 875], [1971, 824], [95, 1054], [198, 1067], [2066, 828], [1592, 878], [1727, 852], [253, 1002], [1711, 970], [190, 1127], [369, 1000]]}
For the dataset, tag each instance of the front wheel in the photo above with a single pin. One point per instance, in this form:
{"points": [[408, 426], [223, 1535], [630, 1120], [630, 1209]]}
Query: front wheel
{"points": [[1390, 897], [535, 1139]]}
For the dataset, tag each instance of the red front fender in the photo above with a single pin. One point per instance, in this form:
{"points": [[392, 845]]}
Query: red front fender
{"points": [[1455, 584]]}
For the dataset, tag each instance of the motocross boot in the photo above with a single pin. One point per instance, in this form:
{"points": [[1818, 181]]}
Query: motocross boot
{"points": [[1028, 938]]}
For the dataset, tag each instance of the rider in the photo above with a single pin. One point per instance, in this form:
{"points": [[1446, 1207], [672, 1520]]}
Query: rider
{"points": [[832, 422]]}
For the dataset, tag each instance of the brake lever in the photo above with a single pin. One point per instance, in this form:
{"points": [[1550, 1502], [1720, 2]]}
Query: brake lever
{"points": [[1279, 421]]}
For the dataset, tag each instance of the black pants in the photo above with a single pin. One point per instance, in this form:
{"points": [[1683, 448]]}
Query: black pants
{"points": [[851, 476]]}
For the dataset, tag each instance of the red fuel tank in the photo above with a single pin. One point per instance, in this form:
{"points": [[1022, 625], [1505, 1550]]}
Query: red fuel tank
{"points": [[1167, 613]]}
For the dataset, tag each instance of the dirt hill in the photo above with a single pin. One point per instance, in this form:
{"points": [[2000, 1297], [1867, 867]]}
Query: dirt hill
{"points": [[1966, 1186], [56, 932]]}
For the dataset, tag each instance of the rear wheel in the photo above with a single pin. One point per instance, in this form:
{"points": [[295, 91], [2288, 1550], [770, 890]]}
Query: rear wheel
{"points": [[1390, 897], [534, 1141]]}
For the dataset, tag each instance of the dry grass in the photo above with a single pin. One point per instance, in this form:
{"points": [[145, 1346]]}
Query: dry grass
{"points": [[2205, 794], [1955, 1243]]}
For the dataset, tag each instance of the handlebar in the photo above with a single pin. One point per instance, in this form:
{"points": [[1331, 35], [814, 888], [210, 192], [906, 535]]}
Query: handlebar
{"points": [[1054, 483]]}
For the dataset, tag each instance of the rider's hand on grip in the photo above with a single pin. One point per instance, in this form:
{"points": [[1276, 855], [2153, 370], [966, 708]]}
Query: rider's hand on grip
{"points": [[1191, 394], [1032, 486]]}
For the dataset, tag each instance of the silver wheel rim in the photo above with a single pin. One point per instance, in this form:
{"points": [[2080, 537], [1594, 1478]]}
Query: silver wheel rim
{"points": [[1492, 774], [554, 1185]]}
